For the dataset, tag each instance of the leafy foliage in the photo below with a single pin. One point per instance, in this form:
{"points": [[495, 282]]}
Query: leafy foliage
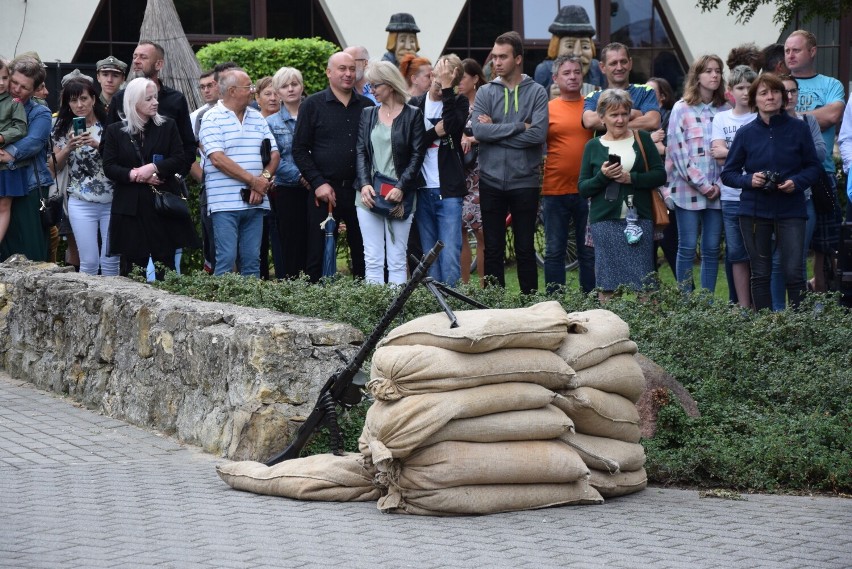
{"points": [[773, 389], [264, 56], [786, 10]]}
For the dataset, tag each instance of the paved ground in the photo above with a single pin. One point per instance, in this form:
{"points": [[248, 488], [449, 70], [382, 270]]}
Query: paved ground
{"points": [[81, 490]]}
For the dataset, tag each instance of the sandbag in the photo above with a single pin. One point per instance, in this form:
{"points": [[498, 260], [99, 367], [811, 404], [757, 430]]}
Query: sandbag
{"points": [[620, 374], [400, 371], [601, 414], [606, 454], [595, 335], [392, 429], [321, 477], [528, 425], [455, 463], [543, 326], [621, 484], [487, 498]]}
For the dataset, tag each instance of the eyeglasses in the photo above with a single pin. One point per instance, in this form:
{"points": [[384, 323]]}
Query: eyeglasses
{"points": [[251, 88], [361, 60], [791, 91], [375, 86]]}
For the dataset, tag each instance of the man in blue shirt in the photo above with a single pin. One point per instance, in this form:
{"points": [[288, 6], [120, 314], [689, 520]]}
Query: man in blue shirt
{"points": [[616, 64]]}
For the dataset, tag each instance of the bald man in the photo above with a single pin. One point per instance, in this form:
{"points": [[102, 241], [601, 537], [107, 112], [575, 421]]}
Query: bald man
{"points": [[324, 151]]}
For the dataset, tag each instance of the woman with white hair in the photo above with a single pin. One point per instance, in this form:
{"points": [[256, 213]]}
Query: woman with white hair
{"points": [[290, 196], [389, 154], [142, 154]]}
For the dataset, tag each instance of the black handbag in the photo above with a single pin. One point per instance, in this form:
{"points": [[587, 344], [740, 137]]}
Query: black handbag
{"points": [[391, 210], [50, 210], [170, 205]]}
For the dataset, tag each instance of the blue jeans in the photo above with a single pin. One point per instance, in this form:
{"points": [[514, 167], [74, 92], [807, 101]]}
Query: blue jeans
{"points": [[735, 251], [789, 240], [440, 219], [689, 222], [238, 231], [558, 212], [777, 285]]}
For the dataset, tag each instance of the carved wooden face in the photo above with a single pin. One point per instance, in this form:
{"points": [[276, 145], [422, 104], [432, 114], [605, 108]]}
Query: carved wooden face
{"points": [[581, 47], [406, 42]]}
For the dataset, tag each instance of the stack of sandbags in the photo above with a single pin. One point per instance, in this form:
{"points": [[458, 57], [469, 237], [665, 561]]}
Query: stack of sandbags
{"points": [[463, 421], [601, 401]]}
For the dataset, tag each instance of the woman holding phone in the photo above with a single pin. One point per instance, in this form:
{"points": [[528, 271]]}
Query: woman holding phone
{"points": [[76, 138], [619, 171], [143, 155]]}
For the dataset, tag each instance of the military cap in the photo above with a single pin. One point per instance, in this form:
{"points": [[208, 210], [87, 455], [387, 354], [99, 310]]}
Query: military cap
{"points": [[76, 74], [112, 64]]}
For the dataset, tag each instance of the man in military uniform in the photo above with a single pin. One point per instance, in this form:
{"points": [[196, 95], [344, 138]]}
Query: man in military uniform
{"points": [[110, 73]]}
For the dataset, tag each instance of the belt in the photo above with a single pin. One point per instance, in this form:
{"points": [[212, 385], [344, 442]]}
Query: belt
{"points": [[341, 183]]}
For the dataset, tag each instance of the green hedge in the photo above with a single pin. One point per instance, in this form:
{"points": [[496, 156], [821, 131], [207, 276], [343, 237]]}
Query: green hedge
{"points": [[773, 389], [264, 56]]}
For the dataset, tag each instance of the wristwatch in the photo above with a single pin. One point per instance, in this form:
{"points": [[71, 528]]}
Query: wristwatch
{"points": [[266, 175]]}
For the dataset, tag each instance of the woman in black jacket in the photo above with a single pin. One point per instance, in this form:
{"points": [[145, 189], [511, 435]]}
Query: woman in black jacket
{"points": [[439, 201], [389, 155], [142, 153]]}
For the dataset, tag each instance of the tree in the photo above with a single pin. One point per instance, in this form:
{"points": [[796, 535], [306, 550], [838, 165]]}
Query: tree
{"points": [[786, 10]]}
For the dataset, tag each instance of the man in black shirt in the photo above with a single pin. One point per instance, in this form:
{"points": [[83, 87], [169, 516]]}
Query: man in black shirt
{"points": [[324, 151], [148, 60]]}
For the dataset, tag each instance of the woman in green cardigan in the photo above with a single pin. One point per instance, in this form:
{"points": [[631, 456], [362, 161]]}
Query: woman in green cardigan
{"points": [[619, 179]]}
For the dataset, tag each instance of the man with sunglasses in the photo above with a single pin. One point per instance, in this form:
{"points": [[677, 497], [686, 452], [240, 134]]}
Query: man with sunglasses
{"points": [[236, 179]]}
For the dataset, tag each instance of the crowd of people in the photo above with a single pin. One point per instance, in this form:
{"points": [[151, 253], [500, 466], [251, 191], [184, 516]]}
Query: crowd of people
{"points": [[406, 154]]}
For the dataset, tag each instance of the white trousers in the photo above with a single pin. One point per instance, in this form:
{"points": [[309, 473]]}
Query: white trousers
{"points": [[383, 236], [87, 219]]}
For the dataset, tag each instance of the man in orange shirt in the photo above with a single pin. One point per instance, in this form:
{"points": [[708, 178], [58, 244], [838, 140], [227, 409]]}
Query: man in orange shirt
{"points": [[561, 202]]}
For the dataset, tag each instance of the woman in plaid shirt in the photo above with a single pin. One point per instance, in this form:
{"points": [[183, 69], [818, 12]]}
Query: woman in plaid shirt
{"points": [[693, 174]]}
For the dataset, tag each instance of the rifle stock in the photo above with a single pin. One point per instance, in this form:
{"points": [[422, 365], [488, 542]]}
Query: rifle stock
{"points": [[339, 389]]}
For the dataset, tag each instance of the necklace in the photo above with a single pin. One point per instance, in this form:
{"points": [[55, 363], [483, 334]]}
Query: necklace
{"points": [[388, 111]]}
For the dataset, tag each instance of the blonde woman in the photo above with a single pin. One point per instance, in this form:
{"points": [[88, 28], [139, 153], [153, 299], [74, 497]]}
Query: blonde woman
{"points": [[390, 144]]}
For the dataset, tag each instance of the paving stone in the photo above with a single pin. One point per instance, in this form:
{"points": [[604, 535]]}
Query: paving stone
{"points": [[81, 490]]}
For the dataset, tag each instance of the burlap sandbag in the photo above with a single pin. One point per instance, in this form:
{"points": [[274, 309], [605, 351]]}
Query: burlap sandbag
{"points": [[487, 499], [601, 414], [606, 454], [322, 477], [542, 326], [401, 371], [455, 463], [594, 336], [529, 425], [621, 484], [620, 374], [392, 429]]}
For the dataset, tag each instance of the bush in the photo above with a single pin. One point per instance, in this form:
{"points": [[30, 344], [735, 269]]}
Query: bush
{"points": [[772, 388], [264, 56]]}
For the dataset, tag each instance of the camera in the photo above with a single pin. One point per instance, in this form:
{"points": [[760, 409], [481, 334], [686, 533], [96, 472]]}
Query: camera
{"points": [[771, 183]]}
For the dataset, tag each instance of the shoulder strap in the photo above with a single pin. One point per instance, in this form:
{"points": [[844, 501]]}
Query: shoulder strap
{"points": [[641, 149]]}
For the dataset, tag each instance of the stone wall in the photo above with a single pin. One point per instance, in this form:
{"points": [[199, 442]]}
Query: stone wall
{"points": [[233, 380]]}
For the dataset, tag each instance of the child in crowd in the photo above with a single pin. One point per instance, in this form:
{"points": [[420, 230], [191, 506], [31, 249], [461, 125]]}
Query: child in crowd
{"points": [[13, 127], [725, 125]]}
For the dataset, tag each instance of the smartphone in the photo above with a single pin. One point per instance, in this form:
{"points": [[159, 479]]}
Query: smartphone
{"points": [[612, 191], [245, 193], [614, 159], [79, 125]]}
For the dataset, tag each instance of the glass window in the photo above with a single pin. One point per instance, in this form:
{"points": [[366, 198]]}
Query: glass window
{"points": [[540, 14]]}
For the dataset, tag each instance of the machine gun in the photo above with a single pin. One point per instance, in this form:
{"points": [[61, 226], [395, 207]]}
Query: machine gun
{"points": [[343, 388]]}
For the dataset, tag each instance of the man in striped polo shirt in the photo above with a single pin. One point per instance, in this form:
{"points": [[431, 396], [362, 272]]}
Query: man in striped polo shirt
{"points": [[235, 178]]}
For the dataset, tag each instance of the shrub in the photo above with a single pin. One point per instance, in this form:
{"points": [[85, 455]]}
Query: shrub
{"points": [[772, 388], [264, 56]]}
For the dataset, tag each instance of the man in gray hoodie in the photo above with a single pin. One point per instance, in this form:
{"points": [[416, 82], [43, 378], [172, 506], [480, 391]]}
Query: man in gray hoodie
{"points": [[510, 122]]}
